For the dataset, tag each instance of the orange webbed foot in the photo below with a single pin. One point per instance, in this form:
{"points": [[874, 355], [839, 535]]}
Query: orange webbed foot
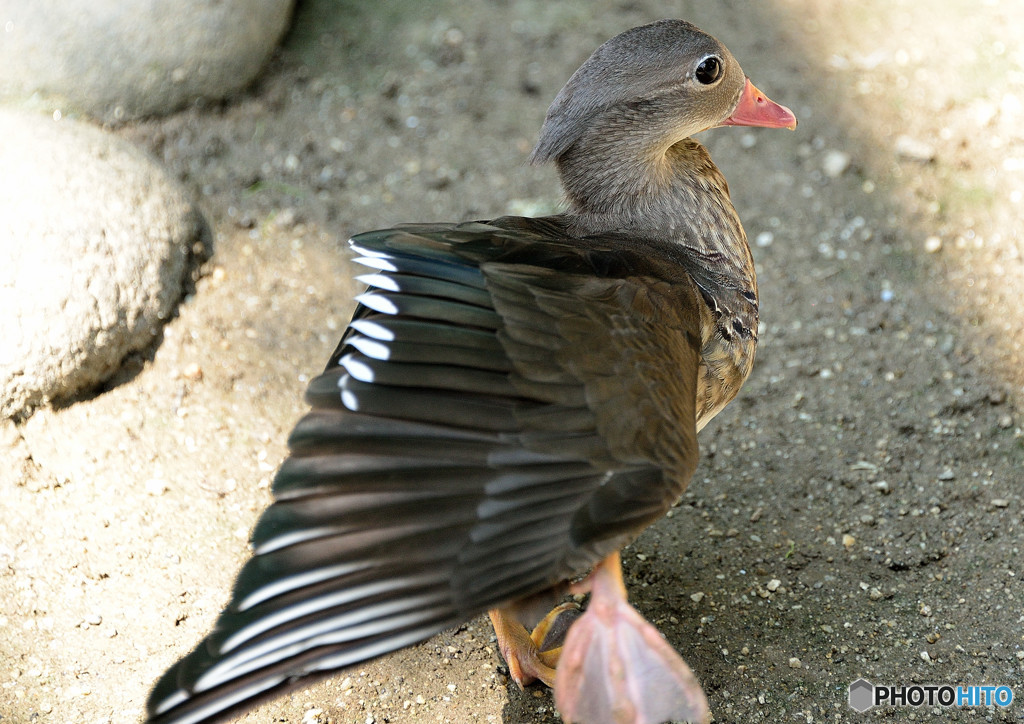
{"points": [[616, 668], [534, 655]]}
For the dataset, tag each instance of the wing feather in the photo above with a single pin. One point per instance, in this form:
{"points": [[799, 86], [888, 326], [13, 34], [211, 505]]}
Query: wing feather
{"points": [[505, 408]]}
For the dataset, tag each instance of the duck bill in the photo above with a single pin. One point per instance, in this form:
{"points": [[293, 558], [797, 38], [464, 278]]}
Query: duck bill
{"points": [[757, 109]]}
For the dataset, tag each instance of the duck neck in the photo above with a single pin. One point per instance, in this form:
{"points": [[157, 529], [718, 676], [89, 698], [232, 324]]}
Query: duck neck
{"points": [[675, 193]]}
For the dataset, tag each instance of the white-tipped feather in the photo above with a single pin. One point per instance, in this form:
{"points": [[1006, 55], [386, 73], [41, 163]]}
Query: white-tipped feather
{"points": [[371, 347], [373, 329], [299, 580], [381, 281], [358, 369], [377, 302]]}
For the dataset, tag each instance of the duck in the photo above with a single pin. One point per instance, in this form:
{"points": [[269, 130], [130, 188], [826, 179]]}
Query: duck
{"points": [[513, 401]]}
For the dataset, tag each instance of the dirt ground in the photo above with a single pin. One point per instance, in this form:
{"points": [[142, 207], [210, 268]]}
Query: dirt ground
{"points": [[858, 511]]}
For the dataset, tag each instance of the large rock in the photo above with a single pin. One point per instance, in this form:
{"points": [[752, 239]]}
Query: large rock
{"points": [[119, 60], [95, 243]]}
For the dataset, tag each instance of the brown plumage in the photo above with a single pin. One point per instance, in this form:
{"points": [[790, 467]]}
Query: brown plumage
{"points": [[512, 402]]}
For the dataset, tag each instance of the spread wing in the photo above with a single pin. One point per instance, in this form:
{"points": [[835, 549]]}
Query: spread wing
{"points": [[506, 407]]}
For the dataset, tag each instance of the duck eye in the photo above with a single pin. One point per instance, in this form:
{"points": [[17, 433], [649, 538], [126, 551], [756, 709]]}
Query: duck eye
{"points": [[709, 70]]}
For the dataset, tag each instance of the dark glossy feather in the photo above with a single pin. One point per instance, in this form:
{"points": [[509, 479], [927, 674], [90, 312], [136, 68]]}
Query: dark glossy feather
{"points": [[507, 406]]}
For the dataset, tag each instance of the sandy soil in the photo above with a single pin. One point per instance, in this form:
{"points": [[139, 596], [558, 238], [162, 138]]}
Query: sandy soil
{"points": [[858, 511]]}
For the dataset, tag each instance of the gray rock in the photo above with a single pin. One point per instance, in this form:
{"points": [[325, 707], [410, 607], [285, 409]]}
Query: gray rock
{"points": [[96, 243], [120, 60]]}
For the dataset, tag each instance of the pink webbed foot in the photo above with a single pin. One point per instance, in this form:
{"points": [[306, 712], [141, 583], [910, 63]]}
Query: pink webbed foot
{"points": [[616, 668]]}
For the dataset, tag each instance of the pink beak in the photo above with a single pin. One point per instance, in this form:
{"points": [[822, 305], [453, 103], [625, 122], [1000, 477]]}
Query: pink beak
{"points": [[757, 109]]}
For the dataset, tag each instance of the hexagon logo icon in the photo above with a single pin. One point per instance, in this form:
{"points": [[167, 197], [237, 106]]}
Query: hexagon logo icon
{"points": [[862, 695]]}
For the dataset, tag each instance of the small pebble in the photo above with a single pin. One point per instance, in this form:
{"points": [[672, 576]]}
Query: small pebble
{"points": [[697, 597], [947, 474], [312, 716], [848, 540], [1001, 503], [773, 585], [192, 371], [912, 149], [835, 163], [794, 663], [244, 221], [286, 218], [1005, 422], [926, 657], [155, 486], [932, 244]]}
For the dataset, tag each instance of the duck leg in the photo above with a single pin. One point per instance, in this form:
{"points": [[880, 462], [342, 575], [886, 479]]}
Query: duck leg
{"points": [[534, 655], [616, 668]]}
